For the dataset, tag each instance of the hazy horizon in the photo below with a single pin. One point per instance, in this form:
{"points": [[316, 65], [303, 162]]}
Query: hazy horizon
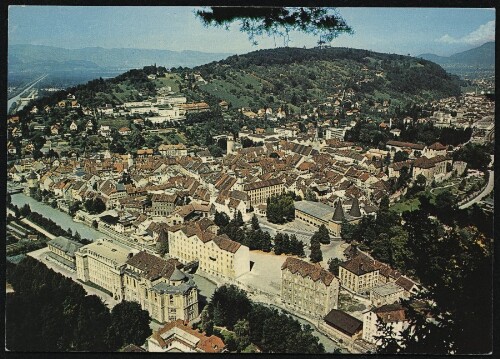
{"points": [[414, 31]]}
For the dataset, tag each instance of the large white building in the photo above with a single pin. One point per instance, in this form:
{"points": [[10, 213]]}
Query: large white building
{"points": [[160, 287], [217, 255], [102, 262]]}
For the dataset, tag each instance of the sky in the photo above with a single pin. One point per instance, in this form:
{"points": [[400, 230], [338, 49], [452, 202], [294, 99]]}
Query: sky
{"points": [[442, 31]]}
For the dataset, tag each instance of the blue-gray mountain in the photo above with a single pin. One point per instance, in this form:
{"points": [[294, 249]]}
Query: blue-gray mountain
{"points": [[38, 58], [481, 58]]}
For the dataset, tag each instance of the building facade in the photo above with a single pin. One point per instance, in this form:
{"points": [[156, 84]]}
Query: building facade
{"points": [[393, 315], [259, 192], [102, 263], [62, 251], [308, 288], [217, 254], [163, 204], [160, 287], [358, 274]]}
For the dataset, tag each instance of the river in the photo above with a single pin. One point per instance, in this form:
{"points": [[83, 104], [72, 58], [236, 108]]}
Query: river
{"points": [[62, 219], [16, 98]]}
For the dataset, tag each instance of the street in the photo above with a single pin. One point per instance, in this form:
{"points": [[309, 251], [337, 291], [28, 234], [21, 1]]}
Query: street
{"points": [[484, 193]]}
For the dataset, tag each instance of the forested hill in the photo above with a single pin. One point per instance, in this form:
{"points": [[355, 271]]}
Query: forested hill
{"points": [[303, 77]]}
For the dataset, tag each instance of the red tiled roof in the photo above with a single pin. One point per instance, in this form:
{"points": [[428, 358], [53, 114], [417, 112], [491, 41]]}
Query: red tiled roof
{"points": [[206, 344]]}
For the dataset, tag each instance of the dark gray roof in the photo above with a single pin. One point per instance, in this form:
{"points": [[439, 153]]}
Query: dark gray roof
{"points": [[315, 209], [177, 275], [355, 211], [338, 216], [343, 322], [66, 245]]}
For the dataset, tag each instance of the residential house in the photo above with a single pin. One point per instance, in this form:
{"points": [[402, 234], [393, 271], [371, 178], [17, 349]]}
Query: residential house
{"points": [[393, 315]]}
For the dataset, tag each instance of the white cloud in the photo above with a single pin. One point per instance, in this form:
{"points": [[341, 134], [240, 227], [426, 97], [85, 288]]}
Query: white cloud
{"points": [[482, 34]]}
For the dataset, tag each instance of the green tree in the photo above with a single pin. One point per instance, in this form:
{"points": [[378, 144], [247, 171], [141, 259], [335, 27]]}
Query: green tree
{"points": [[221, 219], [230, 304], [323, 22], [400, 156], [242, 331], [316, 254], [333, 266], [162, 243], [255, 223], [129, 325]]}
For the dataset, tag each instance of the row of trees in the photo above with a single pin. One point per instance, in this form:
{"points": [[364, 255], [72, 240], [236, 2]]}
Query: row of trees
{"points": [[59, 316], [270, 330], [255, 238], [46, 223]]}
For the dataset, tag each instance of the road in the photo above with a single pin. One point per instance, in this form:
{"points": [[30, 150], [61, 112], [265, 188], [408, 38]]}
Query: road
{"points": [[487, 190], [16, 98], [34, 226]]}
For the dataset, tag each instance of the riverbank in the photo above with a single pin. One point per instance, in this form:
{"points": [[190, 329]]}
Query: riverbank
{"points": [[62, 219]]}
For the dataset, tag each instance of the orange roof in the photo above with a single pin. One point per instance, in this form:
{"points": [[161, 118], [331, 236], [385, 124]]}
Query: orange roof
{"points": [[206, 344]]}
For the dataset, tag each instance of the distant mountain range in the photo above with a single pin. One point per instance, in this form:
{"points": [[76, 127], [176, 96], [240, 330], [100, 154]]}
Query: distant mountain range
{"points": [[37, 58], [479, 58]]}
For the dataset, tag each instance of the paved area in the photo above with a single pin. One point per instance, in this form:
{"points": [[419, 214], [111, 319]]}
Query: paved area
{"points": [[304, 232], [41, 255], [265, 274]]}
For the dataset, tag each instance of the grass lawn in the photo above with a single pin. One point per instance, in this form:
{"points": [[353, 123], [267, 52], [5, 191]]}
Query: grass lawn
{"points": [[169, 80], [407, 205], [114, 122]]}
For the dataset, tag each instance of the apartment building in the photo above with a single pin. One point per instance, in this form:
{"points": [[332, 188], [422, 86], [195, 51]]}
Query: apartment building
{"points": [[308, 288], [163, 204], [160, 287], [259, 192], [102, 262], [358, 274], [217, 254]]}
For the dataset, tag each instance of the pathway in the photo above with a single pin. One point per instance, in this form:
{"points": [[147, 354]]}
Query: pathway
{"points": [[38, 228]]}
